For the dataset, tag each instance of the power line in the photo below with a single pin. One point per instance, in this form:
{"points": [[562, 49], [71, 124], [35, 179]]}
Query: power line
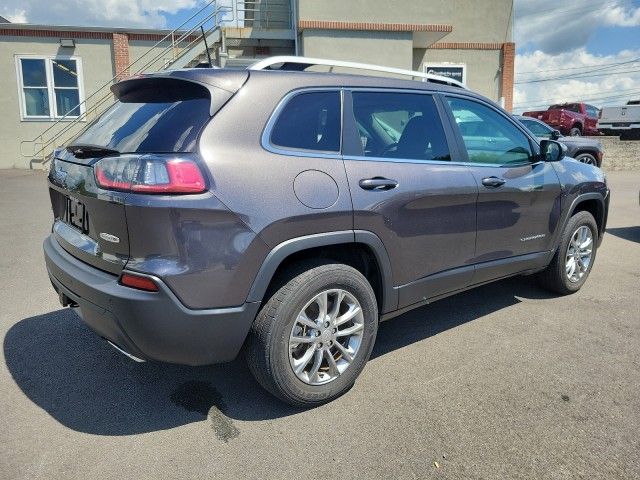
{"points": [[581, 9], [577, 74], [571, 68], [588, 98], [588, 75]]}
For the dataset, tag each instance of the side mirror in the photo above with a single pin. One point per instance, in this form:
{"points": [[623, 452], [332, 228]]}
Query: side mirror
{"points": [[556, 134], [552, 151]]}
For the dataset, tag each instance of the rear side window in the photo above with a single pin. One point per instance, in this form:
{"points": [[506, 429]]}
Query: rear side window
{"points": [[399, 125], [592, 111], [156, 118], [309, 121]]}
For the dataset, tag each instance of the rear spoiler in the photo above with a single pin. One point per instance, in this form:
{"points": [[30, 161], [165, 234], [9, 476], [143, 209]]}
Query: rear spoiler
{"points": [[182, 85]]}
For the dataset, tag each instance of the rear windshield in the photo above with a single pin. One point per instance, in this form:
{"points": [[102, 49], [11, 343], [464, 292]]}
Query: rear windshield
{"points": [[572, 107], [151, 120]]}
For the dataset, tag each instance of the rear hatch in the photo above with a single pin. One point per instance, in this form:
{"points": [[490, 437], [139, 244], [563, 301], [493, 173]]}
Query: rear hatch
{"points": [[146, 140], [620, 116]]}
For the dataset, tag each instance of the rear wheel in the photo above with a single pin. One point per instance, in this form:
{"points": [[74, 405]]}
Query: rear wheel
{"points": [[587, 158], [631, 135], [314, 335], [573, 260]]}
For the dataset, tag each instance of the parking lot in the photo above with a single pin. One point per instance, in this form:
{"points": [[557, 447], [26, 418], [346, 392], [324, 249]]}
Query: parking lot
{"points": [[506, 381]]}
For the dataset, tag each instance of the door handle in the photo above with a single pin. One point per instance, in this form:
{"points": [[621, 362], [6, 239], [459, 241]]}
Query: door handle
{"points": [[378, 183], [493, 182]]}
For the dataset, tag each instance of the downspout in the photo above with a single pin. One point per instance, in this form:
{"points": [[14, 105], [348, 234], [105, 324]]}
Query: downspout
{"points": [[294, 21]]}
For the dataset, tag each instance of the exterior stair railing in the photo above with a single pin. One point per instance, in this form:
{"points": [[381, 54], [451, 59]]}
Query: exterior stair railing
{"points": [[167, 51]]}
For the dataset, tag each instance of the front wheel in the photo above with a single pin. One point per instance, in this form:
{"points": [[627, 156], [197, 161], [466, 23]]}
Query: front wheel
{"points": [[588, 159], [575, 132], [314, 335], [573, 260]]}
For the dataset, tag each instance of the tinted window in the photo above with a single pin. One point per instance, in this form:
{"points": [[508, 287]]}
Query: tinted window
{"points": [[399, 125], [309, 121], [488, 136], [152, 120], [592, 111], [537, 128]]}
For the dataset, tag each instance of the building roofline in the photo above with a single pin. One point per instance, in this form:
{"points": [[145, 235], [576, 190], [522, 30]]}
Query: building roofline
{"points": [[373, 26], [76, 28]]}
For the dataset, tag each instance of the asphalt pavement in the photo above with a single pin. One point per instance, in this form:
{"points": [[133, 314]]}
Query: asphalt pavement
{"points": [[505, 382]]}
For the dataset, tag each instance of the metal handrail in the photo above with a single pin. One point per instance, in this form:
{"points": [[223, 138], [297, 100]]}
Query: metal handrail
{"points": [[217, 16]]}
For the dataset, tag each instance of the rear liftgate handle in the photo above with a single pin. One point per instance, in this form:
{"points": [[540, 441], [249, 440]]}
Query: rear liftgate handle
{"points": [[378, 183]]}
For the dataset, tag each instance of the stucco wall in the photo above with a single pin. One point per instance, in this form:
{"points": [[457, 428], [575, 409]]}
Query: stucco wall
{"points": [[472, 20], [97, 69], [392, 49], [137, 48]]}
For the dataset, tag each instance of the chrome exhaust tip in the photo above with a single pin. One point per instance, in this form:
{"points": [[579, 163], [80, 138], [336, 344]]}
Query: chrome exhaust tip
{"points": [[124, 352]]}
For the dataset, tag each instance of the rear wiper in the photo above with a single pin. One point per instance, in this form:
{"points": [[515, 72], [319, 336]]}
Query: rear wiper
{"points": [[85, 150]]}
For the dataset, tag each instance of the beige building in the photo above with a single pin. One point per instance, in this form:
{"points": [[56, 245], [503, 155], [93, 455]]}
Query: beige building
{"points": [[54, 79]]}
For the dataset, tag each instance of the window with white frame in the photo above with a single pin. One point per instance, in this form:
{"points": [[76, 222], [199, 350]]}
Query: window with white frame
{"points": [[50, 87]]}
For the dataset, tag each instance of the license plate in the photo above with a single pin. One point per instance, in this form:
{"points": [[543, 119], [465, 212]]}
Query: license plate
{"points": [[76, 215]]}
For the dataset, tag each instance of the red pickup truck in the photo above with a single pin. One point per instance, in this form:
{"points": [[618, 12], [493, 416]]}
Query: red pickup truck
{"points": [[570, 118]]}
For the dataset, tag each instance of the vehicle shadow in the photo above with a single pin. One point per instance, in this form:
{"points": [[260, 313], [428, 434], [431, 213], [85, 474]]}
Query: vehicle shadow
{"points": [[83, 383], [626, 233]]}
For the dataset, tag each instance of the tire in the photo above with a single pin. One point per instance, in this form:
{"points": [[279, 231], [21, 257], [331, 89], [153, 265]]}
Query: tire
{"points": [[630, 135], [270, 355], [587, 158], [556, 277], [575, 132]]}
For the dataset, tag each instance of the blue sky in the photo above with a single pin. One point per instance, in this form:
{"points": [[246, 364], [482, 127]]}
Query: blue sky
{"points": [[593, 45], [610, 40], [590, 43]]}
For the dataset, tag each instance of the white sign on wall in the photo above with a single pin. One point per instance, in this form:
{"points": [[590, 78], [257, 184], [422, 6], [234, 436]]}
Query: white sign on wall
{"points": [[455, 71]]}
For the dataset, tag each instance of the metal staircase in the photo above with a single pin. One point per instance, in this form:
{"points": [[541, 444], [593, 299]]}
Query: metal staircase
{"points": [[242, 27]]}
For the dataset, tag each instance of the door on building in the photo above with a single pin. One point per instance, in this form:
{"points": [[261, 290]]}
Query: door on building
{"points": [[407, 191]]}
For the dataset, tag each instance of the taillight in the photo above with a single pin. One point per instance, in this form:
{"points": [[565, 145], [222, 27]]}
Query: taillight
{"points": [[139, 282], [149, 175]]}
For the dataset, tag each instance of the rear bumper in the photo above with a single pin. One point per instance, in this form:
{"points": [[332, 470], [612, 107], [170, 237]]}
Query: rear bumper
{"points": [[148, 325]]}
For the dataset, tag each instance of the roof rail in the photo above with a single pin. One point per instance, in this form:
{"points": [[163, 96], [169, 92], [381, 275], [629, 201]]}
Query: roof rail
{"points": [[289, 62]]}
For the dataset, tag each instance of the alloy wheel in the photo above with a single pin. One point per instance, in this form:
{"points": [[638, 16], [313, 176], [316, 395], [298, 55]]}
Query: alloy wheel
{"points": [[588, 159], [579, 254], [326, 336]]}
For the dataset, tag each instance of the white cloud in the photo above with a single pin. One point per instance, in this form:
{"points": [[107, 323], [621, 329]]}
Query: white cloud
{"points": [[622, 17], [559, 32], [556, 27], [599, 80], [129, 13], [14, 15]]}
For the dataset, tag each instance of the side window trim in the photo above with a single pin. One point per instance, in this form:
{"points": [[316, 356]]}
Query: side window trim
{"points": [[265, 139], [351, 144], [533, 142], [452, 129], [355, 152]]}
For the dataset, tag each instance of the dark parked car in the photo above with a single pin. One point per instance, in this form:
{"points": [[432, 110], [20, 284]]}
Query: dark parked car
{"points": [[286, 213], [585, 150], [572, 119]]}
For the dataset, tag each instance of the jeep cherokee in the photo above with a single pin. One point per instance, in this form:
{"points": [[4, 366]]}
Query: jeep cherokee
{"points": [[285, 213]]}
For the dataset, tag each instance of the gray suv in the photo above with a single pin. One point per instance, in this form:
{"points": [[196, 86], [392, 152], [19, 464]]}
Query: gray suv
{"points": [[285, 213]]}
